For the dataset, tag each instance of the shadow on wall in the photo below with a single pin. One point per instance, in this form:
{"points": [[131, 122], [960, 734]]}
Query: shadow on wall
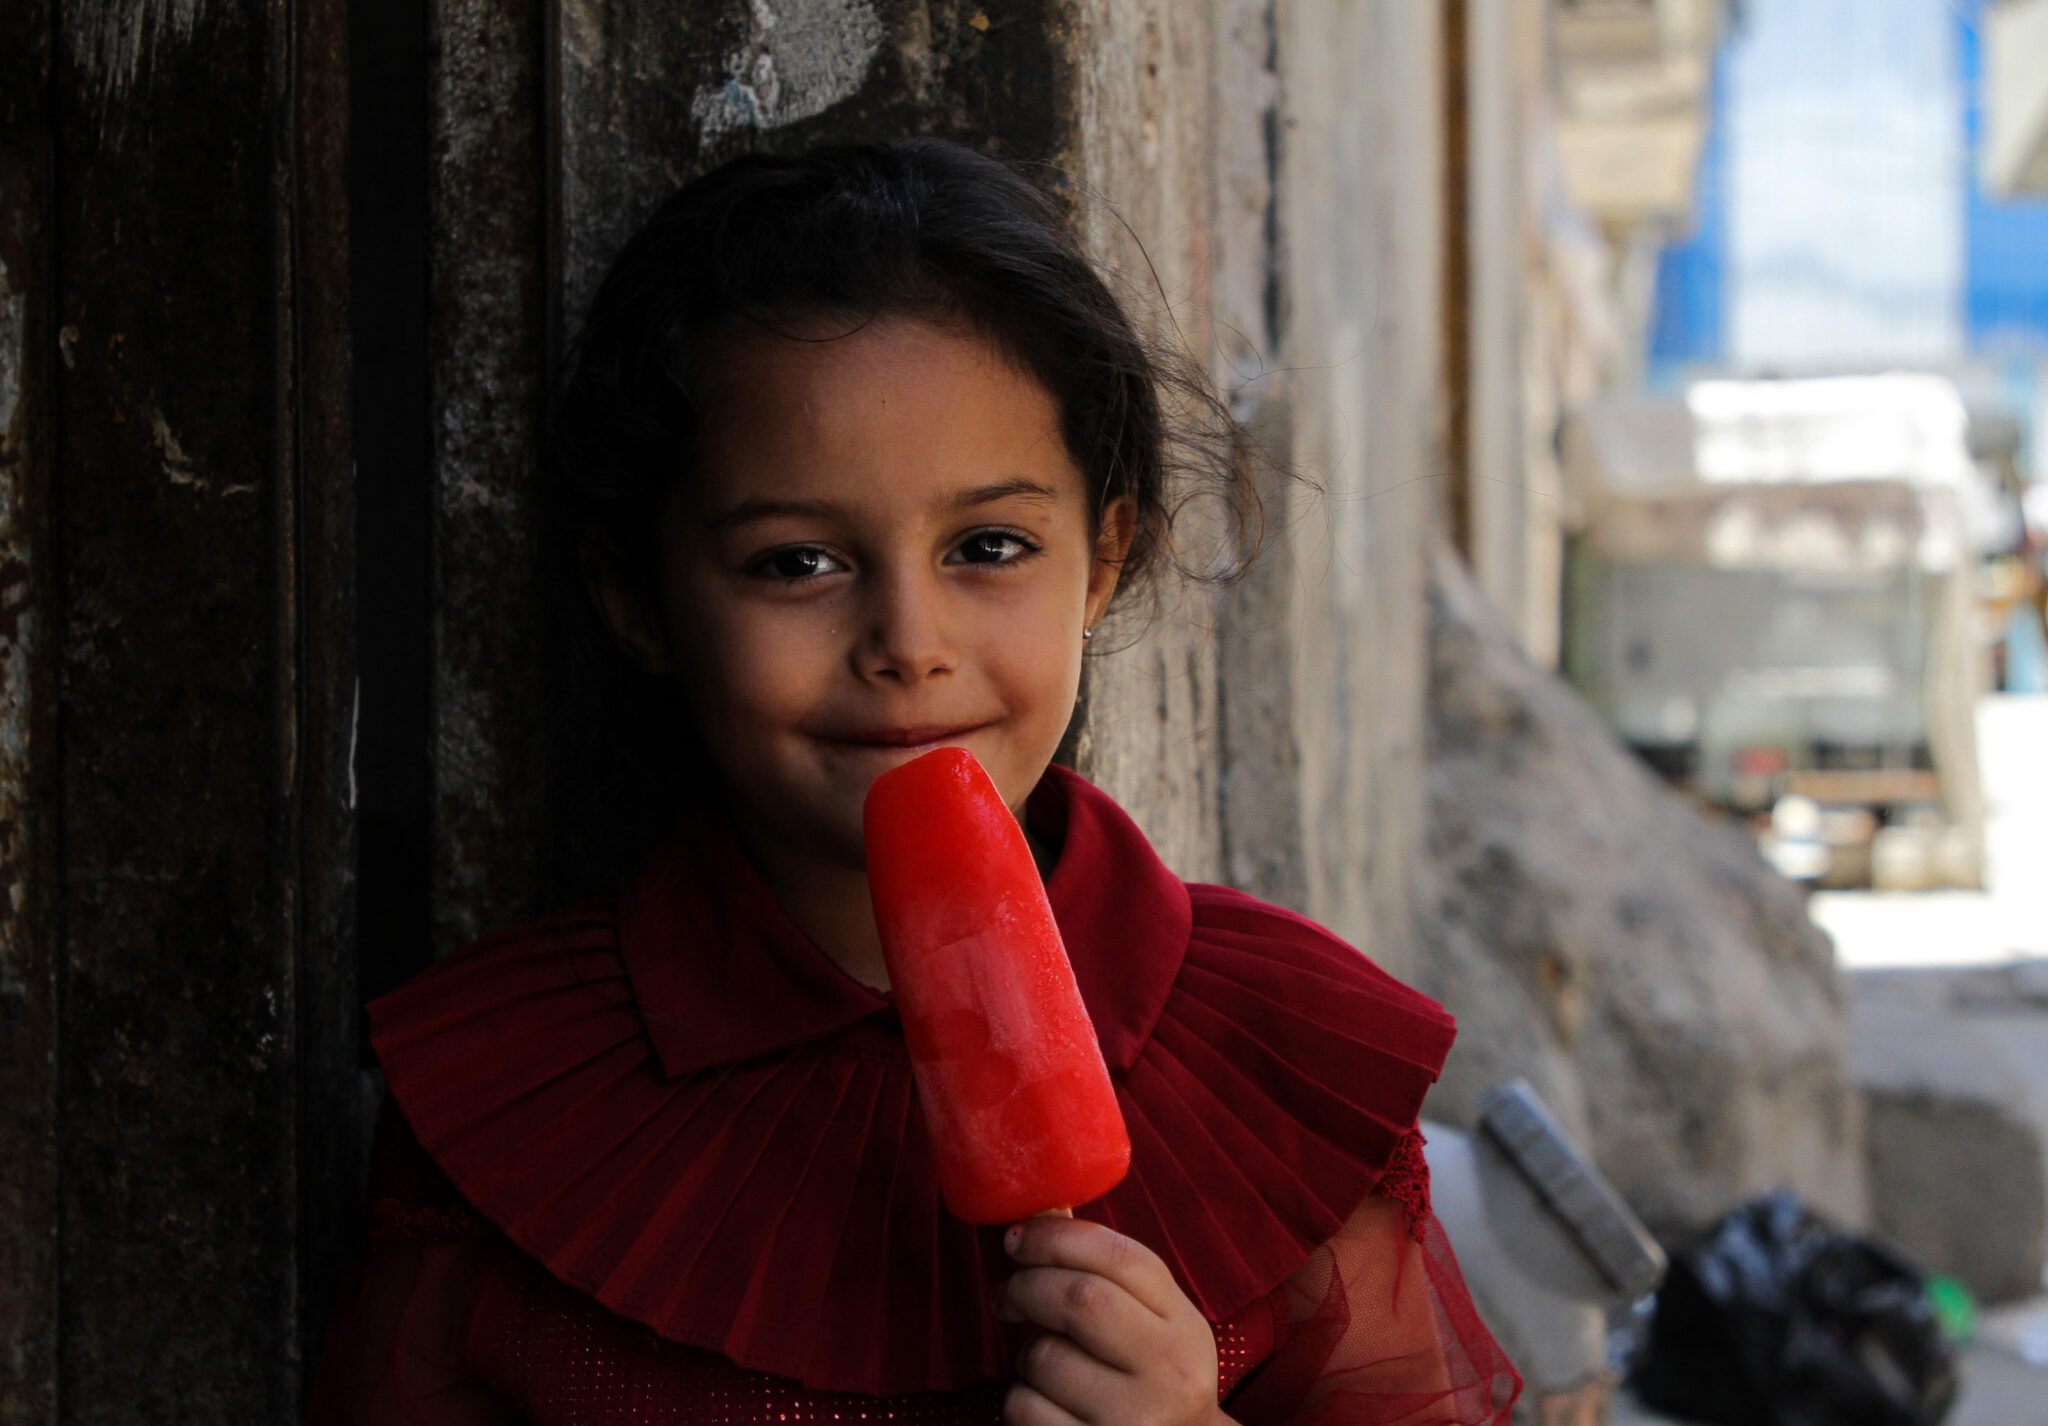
{"points": [[1627, 952]]}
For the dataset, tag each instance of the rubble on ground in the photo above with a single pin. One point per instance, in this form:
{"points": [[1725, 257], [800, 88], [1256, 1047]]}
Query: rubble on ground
{"points": [[1953, 1064]]}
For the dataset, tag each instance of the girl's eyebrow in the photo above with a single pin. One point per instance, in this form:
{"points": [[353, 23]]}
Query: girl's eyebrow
{"points": [[749, 511], [1015, 489]]}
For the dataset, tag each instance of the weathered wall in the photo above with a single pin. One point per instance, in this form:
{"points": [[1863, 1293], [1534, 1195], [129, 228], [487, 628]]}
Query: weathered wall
{"points": [[1360, 175], [1279, 164], [1500, 36], [1146, 125], [650, 96], [28, 863], [488, 199]]}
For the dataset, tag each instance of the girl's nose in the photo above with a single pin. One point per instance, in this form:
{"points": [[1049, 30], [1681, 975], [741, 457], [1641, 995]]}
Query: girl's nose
{"points": [[905, 641]]}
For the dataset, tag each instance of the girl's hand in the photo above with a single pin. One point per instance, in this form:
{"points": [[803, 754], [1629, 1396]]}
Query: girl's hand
{"points": [[1124, 1346]]}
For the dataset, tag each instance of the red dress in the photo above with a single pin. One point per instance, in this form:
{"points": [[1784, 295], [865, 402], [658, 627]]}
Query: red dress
{"points": [[662, 1160]]}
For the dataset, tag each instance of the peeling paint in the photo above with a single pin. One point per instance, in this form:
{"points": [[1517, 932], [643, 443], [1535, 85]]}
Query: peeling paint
{"points": [[14, 702], [17, 611], [13, 349], [179, 468], [474, 492], [118, 42], [19, 636], [797, 63], [355, 719]]}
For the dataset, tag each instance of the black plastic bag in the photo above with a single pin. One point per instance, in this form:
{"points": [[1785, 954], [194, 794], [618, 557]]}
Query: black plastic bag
{"points": [[1778, 1319]]}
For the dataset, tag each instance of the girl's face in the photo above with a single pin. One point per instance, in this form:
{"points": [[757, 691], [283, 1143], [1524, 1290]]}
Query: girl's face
{"points": [[887, 548]]}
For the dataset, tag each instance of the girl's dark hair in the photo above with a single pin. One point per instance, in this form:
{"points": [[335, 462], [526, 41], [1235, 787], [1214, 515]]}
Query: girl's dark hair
{"points": [[915, 227]]}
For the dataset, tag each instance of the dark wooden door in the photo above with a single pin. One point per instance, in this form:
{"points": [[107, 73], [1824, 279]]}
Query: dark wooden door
{"points": [[176, 846], [280, 285]]}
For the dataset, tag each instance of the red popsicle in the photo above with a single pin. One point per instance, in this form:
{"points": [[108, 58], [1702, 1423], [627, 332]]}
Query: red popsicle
{"points": [[1022, 1115]]}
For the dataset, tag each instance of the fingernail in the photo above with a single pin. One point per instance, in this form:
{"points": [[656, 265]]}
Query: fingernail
{"points": [[1013, 1237]]}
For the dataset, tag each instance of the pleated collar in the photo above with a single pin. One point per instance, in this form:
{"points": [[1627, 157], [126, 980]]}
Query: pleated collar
{"points": [[721, 972], [724, 1141]]}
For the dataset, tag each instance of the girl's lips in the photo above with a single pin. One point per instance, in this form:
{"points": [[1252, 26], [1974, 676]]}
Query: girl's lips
{"points": [[901, 737]]}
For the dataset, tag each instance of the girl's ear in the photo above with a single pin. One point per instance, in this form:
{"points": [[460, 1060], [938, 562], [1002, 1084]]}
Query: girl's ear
{"points": [[1112, 543], [634, 627]]}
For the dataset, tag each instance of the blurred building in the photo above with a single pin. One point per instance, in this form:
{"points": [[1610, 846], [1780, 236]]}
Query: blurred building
{"points": [[2016, 98], [1861, 204], [1582, 132], [1773, 602], [1860, 210], [1844, 187]]}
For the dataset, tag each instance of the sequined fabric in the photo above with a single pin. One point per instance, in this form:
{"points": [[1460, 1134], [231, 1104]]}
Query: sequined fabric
{"points": [[559, 1359], [1375, 1330], [1406, 1181], [518, 1337], [393, 1219]]}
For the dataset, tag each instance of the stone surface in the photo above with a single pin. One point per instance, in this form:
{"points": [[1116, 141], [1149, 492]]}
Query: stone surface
{"points": [[1629, 953], [1321, 650], [486, 331], [1954, 1069]]}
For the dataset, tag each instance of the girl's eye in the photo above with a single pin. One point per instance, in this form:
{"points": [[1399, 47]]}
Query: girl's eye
{"points": [[993, 547], [798, 562]]}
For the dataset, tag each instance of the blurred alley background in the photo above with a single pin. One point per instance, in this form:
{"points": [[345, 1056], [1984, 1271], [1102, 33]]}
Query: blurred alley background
{"points": [[1649, 663]]}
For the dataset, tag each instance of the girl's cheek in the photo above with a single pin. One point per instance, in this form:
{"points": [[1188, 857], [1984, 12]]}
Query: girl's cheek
{"points": [[769, 666]]}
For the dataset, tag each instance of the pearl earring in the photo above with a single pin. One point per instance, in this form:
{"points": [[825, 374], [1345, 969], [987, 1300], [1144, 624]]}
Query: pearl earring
{"points": [[1086, 635]]}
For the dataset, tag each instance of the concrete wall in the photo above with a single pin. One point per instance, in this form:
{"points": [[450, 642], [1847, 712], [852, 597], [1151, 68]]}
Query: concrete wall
{"points": [[1281, 167], [1501, 39]]}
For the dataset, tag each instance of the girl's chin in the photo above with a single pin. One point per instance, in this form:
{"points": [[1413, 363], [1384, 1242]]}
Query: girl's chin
{"points": [[827, 836]]}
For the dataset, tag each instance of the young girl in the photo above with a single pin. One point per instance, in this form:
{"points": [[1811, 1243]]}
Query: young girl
{"points": [[861, 449]]}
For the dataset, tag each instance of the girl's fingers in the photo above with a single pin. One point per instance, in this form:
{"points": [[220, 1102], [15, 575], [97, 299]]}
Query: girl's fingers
{"points": [[1071, 1379], [1096, 1314], [1027, 1406], [1091, 1248]]}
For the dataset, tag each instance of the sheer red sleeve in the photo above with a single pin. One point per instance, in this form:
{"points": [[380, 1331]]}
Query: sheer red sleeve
{"points": [[1381, 1330], [394, 1354]]}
